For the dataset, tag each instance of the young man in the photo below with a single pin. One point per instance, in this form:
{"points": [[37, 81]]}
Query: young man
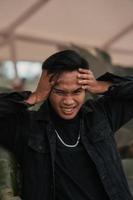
{"points": [[67, 148]]}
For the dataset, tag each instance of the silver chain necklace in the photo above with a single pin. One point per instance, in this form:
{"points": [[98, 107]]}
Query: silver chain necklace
{"points": [[67, 145]]}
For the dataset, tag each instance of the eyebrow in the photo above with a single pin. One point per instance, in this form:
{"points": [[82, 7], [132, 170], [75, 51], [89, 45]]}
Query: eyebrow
{"points": [[59, 90]]}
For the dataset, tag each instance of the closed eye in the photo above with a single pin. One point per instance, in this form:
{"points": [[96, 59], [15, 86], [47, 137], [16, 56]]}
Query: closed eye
{"points": [[78, 91], [64, 93], [59, 92]]}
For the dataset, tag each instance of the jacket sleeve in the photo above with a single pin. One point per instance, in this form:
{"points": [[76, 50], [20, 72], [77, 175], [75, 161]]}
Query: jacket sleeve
{"points": [[118, 100], [12, 114]]}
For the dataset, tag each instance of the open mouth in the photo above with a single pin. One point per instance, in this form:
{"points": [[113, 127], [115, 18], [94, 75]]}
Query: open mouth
{"points": [[68, 110]]}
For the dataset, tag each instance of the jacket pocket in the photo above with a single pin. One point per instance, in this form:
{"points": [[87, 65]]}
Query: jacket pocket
{"points": [[38, 144], [101, 132]]}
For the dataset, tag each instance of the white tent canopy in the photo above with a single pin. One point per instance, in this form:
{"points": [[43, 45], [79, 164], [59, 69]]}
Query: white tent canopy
{"points": [[33, 29]]}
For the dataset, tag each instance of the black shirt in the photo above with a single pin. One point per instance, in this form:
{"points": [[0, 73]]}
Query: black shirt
{"points": [[76, 177]]}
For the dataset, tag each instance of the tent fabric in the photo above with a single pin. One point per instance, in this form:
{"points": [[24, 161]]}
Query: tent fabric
{"points": [[34, 29]]}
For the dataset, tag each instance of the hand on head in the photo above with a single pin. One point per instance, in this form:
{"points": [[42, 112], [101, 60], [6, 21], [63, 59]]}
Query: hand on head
{"points": [[88, 82], [85, 78], [43, 89]]}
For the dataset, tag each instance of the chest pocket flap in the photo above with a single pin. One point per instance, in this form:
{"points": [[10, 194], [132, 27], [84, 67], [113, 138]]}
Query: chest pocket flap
{"points": [[38, 144], [102, 131]]}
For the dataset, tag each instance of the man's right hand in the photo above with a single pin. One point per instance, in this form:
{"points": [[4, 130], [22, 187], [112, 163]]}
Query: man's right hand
{"points": [[43, 90]]}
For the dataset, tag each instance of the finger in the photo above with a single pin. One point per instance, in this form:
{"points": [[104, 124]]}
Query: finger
{"points": [[89, 89], [48, 77], [54, 78], [86, 87], [86, 82], [86, 71], [85, 76]]}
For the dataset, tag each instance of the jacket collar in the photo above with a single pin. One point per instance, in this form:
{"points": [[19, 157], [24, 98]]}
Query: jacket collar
{"points": [[43, 114]]}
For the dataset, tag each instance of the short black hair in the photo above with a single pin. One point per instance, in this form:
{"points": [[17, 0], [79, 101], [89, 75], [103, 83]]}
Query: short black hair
{"points": [[67, 60]]}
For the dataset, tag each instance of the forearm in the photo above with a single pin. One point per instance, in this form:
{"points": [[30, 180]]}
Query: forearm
{"points": [[103, 86], [120, 87], [12, 102], [123, 91]]}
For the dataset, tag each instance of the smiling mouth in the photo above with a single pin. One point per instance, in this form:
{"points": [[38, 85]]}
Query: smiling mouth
{"points": [[68, 110]]}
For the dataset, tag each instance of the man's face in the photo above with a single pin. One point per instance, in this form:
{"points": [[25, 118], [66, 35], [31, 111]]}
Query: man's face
{"points": [[67, 96]]}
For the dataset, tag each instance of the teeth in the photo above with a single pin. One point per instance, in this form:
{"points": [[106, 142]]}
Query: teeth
{"points": [[68, 110]]}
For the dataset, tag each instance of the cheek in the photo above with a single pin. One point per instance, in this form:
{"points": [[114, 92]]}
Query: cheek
{"points": [[82, 98], [54, 100]]}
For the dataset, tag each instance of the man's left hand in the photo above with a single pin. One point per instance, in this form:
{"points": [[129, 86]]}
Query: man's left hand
{"points": [[88, 81]]}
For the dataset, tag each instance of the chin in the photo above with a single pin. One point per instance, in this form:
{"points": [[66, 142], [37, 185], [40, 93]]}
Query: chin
{"points": [[67, 117]]}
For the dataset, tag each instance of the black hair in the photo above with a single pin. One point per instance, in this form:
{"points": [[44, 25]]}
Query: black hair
{"points": [[67, 60]]}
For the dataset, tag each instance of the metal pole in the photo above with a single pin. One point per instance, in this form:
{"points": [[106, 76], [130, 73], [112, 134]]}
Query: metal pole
{"points": [[13, 57]]}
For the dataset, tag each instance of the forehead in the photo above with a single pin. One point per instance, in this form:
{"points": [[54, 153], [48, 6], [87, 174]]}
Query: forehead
{"points": [[67, 79]]}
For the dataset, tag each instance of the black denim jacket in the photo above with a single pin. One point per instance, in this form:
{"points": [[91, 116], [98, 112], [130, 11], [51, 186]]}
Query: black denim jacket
{"points": [[30, 135]]}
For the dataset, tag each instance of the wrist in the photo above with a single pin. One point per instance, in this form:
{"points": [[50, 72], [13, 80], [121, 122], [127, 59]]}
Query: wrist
{"points": [[103, 86]]}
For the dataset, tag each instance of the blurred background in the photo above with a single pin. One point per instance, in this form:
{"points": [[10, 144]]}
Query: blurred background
{"points": [[100, 30]]}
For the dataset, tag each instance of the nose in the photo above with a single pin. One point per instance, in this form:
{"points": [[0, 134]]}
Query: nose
{"points": [[68, 101]]}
